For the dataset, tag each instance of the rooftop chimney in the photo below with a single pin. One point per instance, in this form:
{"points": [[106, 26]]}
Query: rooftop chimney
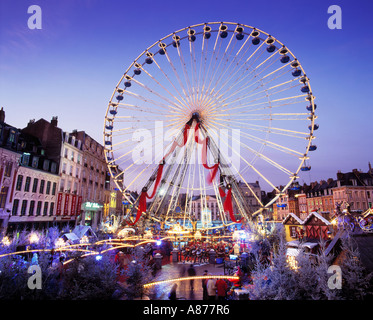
{"points": [[2, 115], [54, 121]]}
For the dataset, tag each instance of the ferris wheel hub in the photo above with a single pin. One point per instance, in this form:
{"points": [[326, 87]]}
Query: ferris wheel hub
{"points": [[196, 116]]}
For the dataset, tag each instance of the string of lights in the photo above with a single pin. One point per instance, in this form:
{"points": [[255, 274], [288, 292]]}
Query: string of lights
{"points": [[150, 284]]}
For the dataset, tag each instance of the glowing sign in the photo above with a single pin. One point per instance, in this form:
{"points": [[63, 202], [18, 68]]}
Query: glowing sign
{"points": [[93, 205]]}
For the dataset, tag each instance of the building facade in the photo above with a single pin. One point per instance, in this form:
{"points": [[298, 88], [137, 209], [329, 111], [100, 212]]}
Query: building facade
{"points": [[95, 190]]}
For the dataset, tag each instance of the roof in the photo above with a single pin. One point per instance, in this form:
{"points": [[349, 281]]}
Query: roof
{"points": [[290, 214], [317, 215], [71, 236], [81, 231]]}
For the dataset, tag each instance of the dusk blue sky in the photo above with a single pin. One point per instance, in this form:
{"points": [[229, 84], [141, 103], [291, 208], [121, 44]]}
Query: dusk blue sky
{"points": [[70, 68]]}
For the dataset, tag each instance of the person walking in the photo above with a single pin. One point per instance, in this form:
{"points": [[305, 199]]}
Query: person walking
{"points": [[172, 294], [211, 289], [204, 286], [191, 273], [221, 288]]}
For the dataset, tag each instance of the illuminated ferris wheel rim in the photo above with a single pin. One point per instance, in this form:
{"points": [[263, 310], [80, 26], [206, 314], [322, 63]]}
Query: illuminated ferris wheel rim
{"points": [[178, 37]]}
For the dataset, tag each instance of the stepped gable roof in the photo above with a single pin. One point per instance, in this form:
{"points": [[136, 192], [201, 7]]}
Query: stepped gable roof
{"points": [[346, 179]]}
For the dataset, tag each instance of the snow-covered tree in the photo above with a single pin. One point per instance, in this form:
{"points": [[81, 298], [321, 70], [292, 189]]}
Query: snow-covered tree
{"points": [[356, 281], [138, 273]]}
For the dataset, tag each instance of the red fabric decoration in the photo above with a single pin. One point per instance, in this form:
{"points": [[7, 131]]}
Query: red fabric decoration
{"points": [[175, 143], [214, 168], [157, 181], [228, 206], [221, 191], [142, 201], [141, 208]]}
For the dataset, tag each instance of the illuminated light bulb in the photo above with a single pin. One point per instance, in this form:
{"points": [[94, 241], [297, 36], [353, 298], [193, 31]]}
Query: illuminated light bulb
{"points": [[5, 241], [98, 257], [59, 243], [34, 238]]}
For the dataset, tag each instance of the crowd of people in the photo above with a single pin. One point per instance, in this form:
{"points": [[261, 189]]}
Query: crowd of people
{"points": [[199, 253]]}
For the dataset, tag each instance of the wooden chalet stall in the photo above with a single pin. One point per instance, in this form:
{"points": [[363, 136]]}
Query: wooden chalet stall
{"points": [[293, 226], [317, 227]]}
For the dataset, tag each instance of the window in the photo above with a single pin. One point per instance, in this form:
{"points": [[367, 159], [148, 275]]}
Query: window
{"points": [[8, 169], [12, 136], [62, 185], [51, 208], [72, 156], [64, 168], [46, 165], [19, 183], [48, 190], [38, 208], [53, 167], [27, 184], [45, 211], [35, 185], [15, 207], [32, 207], [3, 196], [42, 183], [25, 159], [23, 207], [54, 188], [77, 172], [35, 162]]}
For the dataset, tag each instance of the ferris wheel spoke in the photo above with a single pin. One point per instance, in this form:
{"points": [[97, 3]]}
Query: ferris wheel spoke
{"points": [[273, 130], [186, 75], [182, 96], [216, 75], [252, 167], [266, 142], [265, 107], [262, 156], [245, 85], [193, 64], [213, 59], [237, 63], [247, 106], [266, 90], [243, 179], [244, 88], [142, 109], [238, 172], [175, 105], [157, 103], [186, 96], [266, 117]]}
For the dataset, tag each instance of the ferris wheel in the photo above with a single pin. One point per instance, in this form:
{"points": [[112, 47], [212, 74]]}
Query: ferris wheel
{"points": [[206, 111]]}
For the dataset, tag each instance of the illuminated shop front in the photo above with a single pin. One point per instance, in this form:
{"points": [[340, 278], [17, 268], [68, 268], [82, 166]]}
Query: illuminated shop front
{"points": [[92, 214]]}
